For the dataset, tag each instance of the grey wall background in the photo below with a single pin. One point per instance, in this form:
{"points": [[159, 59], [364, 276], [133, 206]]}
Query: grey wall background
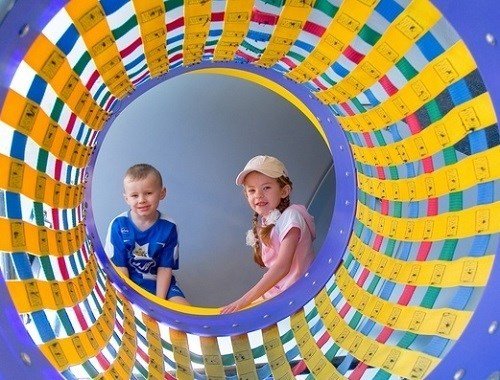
{"points": [[5, 6], [199, 130]]}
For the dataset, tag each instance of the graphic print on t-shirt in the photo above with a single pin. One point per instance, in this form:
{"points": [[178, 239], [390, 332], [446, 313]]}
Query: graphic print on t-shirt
{"points": [[142, 262]]}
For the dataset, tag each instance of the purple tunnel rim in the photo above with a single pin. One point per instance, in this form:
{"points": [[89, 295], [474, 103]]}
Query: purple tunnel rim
{"points": [[327, 259]]}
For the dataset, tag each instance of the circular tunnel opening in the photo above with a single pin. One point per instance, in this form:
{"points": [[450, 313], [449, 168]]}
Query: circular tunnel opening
{"points": [[334, 212], [197, 129]]}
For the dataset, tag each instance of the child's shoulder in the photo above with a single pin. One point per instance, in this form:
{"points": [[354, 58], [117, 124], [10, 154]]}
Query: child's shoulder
{"points": [[295, 209], [164, 218], [293, 213], [123, 216], [297, 214]]}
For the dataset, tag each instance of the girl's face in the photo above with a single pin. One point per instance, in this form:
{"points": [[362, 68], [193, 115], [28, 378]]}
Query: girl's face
{"points": [[143, 196], [264, 193]]}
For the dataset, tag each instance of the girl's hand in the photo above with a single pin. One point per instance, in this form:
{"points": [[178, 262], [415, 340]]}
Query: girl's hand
{"points": [[277, 271], [232, 307]]}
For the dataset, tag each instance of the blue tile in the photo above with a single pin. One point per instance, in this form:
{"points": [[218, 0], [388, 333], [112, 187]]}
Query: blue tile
{"points": [[37, 89], [68, 40], [389, 9], [429, 46]]}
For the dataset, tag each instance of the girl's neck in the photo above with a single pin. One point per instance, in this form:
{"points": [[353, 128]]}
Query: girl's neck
{"points": [[144, 222]]}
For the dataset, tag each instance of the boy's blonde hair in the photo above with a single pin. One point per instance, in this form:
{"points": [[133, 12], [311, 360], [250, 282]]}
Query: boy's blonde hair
{"points": [[141, 171]]}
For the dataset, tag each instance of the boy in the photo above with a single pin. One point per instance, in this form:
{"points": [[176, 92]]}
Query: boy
{"points": [[141, 242]]}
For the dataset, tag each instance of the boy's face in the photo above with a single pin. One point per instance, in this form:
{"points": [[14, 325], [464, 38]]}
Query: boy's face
{"points": [[143, 195]]}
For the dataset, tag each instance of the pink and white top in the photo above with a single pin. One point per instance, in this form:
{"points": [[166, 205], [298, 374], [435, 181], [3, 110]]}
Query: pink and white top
{"points": [[293, 216]]}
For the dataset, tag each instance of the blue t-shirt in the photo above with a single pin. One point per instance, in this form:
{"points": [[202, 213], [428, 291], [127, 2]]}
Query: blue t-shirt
{"points": [[143, 252]]}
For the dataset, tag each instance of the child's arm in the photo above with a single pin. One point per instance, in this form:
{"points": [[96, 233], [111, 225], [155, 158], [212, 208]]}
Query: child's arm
{"points": [[279, 270], [163, 278]]}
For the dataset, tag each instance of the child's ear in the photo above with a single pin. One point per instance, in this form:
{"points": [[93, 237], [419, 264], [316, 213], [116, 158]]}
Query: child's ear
{"points": [[285, 191], [163, 193]]}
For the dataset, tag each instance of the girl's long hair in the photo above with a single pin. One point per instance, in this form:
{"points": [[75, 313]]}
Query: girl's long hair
{"points": [[264, 233]]}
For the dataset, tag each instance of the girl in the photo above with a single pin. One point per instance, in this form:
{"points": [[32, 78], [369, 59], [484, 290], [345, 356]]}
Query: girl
{"points": [[282, 239]]}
